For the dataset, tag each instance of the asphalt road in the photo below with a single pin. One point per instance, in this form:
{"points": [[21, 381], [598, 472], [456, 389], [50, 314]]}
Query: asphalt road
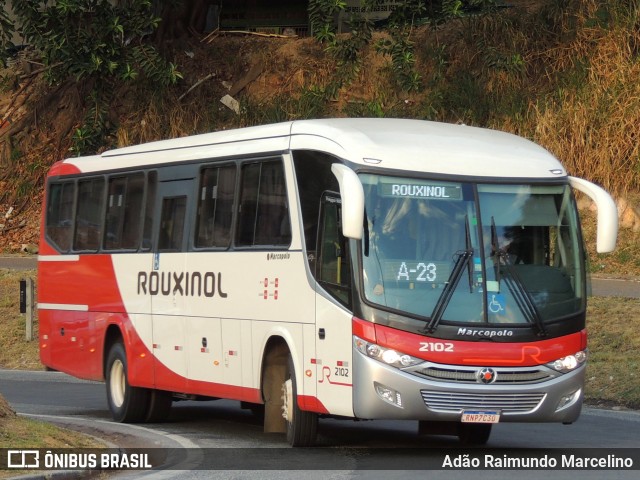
{"points": [[613, 287], [201, 430], [15, 262]]}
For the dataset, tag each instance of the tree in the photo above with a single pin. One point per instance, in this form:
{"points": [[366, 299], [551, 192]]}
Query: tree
{"points": [[94, 43]]}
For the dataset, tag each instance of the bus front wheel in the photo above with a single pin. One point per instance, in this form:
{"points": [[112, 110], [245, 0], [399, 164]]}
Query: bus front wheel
{"points": [[127, 404], [160, 403], [301, 425]]}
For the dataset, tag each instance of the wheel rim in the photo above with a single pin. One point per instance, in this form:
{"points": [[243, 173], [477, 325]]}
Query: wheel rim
{"points": [[287, 400], [117, 383]]}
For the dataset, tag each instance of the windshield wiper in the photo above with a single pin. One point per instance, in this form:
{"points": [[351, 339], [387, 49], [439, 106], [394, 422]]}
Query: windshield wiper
{"points": [[467, 237], [515, 284], [365, 226], [463, 260]]}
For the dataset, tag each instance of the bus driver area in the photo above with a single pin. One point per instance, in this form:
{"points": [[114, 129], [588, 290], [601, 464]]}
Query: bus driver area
{"points": [[347, 268]]}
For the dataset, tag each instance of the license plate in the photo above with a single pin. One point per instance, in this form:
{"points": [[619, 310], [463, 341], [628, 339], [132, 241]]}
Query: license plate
{"points": [[477, 416]]}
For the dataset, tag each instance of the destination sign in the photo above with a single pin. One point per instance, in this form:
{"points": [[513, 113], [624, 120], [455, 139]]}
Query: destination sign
{"points": [[413, 271], [421, 190]]}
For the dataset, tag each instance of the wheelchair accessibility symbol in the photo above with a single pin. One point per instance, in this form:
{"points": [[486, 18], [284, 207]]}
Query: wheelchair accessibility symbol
{"points": [[497, 303]]}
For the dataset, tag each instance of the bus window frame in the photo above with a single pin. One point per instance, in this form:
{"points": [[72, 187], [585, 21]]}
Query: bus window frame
{"points": [[328, 286], [142, 214], [239, 177], [61, 181], [156, 175], [192, 237], [101, 206], [107, 177]]}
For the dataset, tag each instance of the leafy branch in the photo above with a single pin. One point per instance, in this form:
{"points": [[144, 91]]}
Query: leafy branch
{"points": [[95, 43]]}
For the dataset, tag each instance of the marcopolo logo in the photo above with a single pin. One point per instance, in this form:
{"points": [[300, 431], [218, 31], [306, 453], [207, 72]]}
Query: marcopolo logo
{"points": [[486, 375], [278, 256]]}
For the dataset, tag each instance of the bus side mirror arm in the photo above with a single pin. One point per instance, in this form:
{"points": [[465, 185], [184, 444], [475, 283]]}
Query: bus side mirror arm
{"points": [[607, 232], [352, 196]]}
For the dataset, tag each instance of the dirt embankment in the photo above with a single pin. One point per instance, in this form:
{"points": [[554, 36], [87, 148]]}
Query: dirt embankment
{"points": [[5, 410]]}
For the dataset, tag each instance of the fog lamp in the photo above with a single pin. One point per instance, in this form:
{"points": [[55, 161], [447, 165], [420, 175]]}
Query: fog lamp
{"points": [[389, 395], [568, 400]]}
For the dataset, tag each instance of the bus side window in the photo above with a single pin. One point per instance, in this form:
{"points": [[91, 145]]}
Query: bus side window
{"points": [[333, 265], [172, 224], [59, 223], [89, 214], [263, 217], [215, 207], [124, 207], [313, 177]]}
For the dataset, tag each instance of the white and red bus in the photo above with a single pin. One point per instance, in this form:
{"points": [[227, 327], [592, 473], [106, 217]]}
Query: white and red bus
{"points": [[359, 268]]}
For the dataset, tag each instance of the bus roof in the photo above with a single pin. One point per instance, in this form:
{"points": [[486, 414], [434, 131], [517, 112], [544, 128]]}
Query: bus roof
{"points": [[398, 144]]}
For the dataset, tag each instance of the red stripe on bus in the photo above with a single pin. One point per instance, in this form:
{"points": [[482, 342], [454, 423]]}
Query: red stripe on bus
{"points": [[363, 329], [460, 352], [311, 404]]}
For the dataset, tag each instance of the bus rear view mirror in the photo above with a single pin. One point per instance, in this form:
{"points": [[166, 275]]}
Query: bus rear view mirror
{"points": [[607, 232], [352, 195]]}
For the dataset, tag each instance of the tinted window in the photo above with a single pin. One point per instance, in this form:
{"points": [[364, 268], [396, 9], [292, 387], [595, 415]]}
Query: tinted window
{"points": [[89, 214], [172, 224], [333, 272], [123, 223], [314, 177], [215, 207], [59, 222], [263, 210]]}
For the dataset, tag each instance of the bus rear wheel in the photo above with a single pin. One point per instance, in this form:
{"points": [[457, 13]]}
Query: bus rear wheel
{"points": [[127, 404], [302, 426]]}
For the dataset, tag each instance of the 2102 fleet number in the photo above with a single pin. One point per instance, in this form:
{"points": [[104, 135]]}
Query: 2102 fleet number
{"points": [[436, 347]]}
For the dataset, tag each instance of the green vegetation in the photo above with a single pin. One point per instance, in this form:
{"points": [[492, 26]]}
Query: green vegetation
{"points": [[93, 44], [15, 352], [613, 371], [560, 72], [18, 432], [556, 73]]}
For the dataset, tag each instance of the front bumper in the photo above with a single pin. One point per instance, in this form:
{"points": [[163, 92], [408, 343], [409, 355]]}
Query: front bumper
{"points": [[558, 399]]}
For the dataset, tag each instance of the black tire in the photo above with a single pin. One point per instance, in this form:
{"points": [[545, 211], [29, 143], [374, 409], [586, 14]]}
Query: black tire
{"points": [[302, 426], [159, 406], [474, 433], [127, 404]]}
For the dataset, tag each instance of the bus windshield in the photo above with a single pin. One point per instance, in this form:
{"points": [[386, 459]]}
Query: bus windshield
{"points": [[452, 252]]}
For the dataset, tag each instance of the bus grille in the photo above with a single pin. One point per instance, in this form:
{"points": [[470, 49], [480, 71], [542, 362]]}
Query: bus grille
{"points": [[505, 402], [503, 377]]}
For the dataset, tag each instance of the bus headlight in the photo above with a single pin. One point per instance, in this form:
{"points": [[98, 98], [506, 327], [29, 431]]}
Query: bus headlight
{"points": [[569, 363], [385, 355]]}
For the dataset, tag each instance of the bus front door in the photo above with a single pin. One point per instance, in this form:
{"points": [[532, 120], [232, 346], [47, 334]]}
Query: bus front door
{"points": [[333, 307], [168, 301]]}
